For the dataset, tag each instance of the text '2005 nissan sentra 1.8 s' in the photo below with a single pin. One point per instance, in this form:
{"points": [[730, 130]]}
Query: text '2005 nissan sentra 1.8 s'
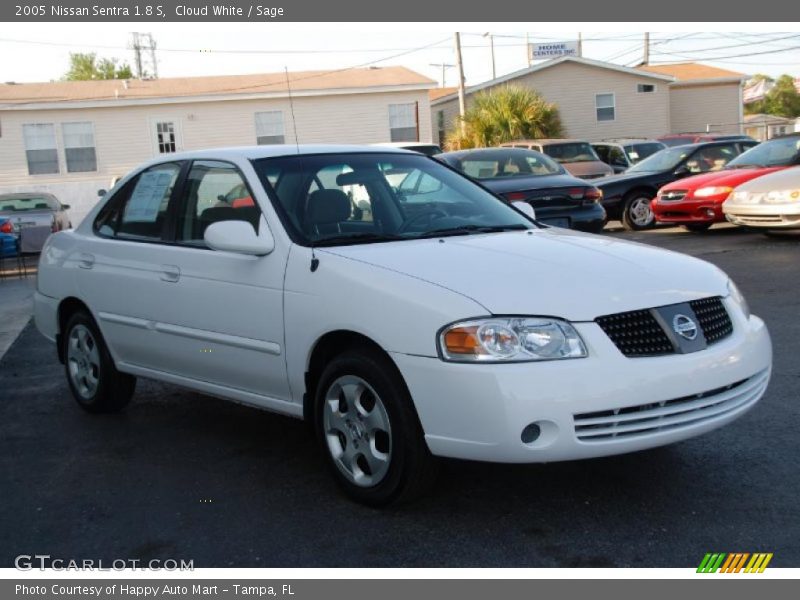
{"points": [[439, 321]]}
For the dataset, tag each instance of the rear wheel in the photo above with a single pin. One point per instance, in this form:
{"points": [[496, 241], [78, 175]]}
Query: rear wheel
{"points": [[369, 431], [697, 227], [636, 212], [93, 379]]}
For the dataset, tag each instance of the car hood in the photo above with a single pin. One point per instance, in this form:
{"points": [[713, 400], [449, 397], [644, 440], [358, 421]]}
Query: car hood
{"points": [[514, 184], [588, 168], [726, 177], [552, 271], [784, 179]]}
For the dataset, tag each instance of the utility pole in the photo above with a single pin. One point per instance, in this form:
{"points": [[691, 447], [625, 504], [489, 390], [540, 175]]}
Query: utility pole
{"points": [[580, 44], [491, 44], [444, 66], [461, 104], [646, 49], [528, 47], [144, 51]]}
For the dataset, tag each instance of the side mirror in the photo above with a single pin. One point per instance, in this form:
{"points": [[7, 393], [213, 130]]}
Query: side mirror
{"points": [[101, 193], [240, 237], [682, 171], [526, 208], [65, 207]]}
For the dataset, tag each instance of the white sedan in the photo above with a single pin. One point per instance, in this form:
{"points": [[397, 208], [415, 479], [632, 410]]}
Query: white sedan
{"points": [[453, 325], [770, 202]]}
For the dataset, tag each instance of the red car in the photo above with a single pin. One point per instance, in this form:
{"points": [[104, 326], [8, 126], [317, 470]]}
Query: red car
{"points": [[696, 202]]}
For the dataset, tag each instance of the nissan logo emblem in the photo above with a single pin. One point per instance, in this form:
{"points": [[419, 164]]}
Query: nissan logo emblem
{"points": [[684, 327]]}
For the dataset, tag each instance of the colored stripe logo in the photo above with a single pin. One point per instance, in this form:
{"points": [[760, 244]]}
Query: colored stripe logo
{"points": [[737, 562]]}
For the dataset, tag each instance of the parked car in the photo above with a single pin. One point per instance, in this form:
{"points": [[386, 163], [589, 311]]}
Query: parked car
{"points": [[681, 139], [696, 202], [466, 330], [627, 196], [421, 147], [769, 203], [622, 154], [577, 156], [558, 198], [34, 209]]}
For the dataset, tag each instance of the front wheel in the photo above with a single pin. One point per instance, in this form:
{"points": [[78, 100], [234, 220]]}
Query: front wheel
{"points": [[636, 212], [369, 431], [93, 379]]}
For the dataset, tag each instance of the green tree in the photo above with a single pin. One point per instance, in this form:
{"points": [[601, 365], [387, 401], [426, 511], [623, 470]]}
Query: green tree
{"points": [[783, 99], [86, 66], [504, 114]]}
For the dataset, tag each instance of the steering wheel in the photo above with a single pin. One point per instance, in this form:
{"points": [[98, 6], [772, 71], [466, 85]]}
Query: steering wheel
{"points": [[430, 215]]}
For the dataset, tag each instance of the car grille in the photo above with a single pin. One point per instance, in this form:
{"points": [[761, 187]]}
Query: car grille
{"points": [[637, 333], [645, 419], [713, 318], [672, 195]]}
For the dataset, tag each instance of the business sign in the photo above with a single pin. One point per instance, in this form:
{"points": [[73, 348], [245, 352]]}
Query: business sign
{"points": [[552, 50]]}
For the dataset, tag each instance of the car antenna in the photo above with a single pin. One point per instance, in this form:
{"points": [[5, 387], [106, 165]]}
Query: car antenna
{"points": [[314, 259]]}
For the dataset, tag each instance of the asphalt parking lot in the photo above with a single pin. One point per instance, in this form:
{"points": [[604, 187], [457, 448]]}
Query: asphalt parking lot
{"points": [[181, 475]]}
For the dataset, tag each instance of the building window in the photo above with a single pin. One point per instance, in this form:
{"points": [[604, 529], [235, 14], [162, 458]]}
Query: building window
{"points": [[165, 137], [645, 88], [269, 128], [40, 148], [604, 104], [79, 147], [403, 125]]}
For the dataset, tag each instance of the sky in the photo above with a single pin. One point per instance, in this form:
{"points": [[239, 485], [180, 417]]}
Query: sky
{"points": [[40, 51]]}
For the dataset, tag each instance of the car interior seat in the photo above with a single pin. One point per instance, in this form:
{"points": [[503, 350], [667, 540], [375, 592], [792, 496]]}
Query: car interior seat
{"points": [[326, 210]]}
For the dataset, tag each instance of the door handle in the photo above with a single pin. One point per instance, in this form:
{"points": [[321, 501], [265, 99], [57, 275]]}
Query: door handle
{"points": [[85, 260], [170, 273]]}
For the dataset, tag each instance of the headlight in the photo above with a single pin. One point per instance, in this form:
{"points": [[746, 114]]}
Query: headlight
{"points": [[782, 196], [705, 192], [514, 339], [738, 298]]}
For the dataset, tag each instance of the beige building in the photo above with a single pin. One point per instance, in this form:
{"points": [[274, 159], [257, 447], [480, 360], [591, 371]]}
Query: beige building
{"points": [[72, 138], [598, 100]]}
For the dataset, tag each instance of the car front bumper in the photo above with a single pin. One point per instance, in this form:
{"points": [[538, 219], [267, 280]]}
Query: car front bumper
{"points": [[767, 216], [582, 407], [695, 210]]}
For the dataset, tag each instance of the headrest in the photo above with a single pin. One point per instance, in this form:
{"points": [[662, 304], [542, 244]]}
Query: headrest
{"points": [[327, 206]]}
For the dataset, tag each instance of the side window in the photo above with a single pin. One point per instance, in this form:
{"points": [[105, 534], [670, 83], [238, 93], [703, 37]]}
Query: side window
{"points": [[138, 209], [214, 191], [617, 157], [602, 152], [712, 158]]}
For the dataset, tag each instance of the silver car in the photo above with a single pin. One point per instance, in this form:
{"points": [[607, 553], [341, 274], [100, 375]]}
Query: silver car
{"points": [[768, 202], [33, 209]]}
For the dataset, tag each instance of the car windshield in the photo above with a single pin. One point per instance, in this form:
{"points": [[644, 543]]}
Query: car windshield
{"points": [[663, 160], [338, 199], [571, 152], [638, 152], [774, 153], [505, 163], [28, 203]]}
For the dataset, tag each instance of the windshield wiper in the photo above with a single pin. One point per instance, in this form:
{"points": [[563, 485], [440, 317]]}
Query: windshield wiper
{"points": [[469, 229], [357, 238]]}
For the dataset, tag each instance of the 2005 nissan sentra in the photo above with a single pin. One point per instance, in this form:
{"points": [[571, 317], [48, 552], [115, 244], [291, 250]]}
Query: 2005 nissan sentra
{"points": [[400, 307]]}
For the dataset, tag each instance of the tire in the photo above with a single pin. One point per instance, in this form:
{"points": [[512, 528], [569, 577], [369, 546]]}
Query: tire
{"points": [[636, 212], [369, 432], [697, 227], [93, 379]]}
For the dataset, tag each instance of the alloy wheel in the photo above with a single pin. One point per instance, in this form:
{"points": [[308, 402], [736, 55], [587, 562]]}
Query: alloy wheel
{"points": [[83, 361]]}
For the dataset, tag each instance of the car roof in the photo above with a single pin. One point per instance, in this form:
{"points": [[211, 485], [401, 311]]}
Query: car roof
{"points": [[23, 195], [623, 141], [277, 150], [547, 141], [494, 150], [405, 144]]}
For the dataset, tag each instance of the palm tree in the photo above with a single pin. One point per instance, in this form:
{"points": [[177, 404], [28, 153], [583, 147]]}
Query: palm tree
{"points": [[502, 115]]}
